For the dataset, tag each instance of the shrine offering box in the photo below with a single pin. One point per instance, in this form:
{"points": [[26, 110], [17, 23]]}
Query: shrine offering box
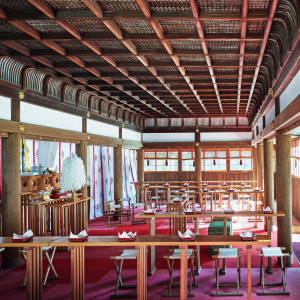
{"points": [[29, 183], [55, 180]]}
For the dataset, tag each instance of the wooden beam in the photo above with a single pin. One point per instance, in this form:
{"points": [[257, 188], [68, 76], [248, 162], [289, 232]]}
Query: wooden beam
{"points": [[263, 45], [94, 7], [44, 7], [164, 145]]}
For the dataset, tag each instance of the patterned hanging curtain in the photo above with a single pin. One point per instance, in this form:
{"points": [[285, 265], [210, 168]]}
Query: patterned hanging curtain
{"points": [[101, 179], [129, 173]]}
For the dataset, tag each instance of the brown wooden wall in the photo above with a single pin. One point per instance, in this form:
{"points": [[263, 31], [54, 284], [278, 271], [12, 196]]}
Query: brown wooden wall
{"points": [[190, 176], [296, 197]]}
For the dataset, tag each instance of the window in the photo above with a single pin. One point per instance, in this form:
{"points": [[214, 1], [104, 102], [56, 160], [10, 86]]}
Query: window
{"points": [[161, 161], [188, 160], [240, 159], [295, 158], [213, 160]]}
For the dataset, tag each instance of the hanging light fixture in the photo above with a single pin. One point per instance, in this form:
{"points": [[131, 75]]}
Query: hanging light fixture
{"points": [[214, 161], [240, 154], [148, 162], [166, 162]]}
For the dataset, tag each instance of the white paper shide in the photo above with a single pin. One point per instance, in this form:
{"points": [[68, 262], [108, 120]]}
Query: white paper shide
{"points": [[247, 235], [80, 236], [188, 235], [26, 236], [126, 236]]}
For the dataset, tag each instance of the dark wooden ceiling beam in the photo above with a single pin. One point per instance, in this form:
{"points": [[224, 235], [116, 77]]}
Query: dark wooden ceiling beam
{"points": [[156, 52], [144, 6], [112, 26], [64, 72], [245, 5], [74, 32], [196, 14], [272, 10], [95, 13], [101, 36]]}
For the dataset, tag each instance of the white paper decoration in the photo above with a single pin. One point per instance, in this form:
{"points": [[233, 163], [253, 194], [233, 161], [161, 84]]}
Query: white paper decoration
{"points": [[73, 174]]}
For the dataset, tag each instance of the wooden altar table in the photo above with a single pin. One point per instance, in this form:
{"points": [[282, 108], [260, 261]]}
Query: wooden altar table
{"points": [[34, 261], [219, 214]]}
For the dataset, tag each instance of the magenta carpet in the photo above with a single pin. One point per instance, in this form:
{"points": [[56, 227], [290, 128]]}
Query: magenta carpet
{"points": [[100, 276]]}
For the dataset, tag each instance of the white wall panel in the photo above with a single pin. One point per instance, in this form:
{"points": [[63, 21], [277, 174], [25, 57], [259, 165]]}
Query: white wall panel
{"points": [[270, 115], [101, 128], [38, 115], [169, 137], [5, 108], [128, 134], [225, 136], [290, 93]]}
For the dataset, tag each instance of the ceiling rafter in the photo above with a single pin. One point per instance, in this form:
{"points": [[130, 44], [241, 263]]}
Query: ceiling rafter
{"points": [[56, 47], [112, 26], [155, 57], [160, 52], [262, 48], [131, 37], [135, 15], [245, 5], [160, 33], [195, 10]]}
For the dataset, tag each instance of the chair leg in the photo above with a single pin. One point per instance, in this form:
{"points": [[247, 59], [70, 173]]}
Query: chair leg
{"points": [[282, 272], [50, 265], [262, 275], [119, 280], [217, 274], [238, 275]]}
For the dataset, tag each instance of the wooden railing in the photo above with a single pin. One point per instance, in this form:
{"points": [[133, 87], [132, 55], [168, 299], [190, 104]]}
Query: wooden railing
{"points": [[34, 258]]}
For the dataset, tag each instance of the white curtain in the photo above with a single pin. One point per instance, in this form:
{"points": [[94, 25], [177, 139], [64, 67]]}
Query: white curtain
{"points": [[101, 178], [129, 173], [63, 151]]}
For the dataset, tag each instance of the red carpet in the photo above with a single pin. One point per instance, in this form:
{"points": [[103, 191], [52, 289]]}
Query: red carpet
{"points": [[100, 275]]}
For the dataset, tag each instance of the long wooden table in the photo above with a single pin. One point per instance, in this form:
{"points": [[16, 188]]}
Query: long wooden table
{"points": [[34, 260], [195, 216]]}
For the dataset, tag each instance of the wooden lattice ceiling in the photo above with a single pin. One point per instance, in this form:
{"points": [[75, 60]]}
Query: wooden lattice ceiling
{"points": [[166, 59]]}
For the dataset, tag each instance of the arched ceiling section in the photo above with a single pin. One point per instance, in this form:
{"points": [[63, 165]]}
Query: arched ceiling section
{"points": [[155, 59]]}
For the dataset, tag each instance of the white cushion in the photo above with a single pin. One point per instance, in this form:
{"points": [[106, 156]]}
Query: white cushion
{"points": [[177, 253], [228, 252], [272, 252], [128, 254]]}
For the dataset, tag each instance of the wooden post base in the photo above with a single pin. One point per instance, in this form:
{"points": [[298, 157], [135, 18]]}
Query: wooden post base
{"points": [[77, 273], [34, 267]]}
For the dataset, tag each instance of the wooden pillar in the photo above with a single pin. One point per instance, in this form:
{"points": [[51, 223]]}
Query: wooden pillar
{"points": [[268, 176], [260, 164], [254, 176], [140, 170], [81, 151], [11, 189], [118, 173], [11, 195], [283, 192], [198, 173]]}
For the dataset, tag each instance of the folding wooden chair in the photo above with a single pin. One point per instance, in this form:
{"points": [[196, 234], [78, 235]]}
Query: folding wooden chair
{"points": [[272, 252], [170, 261], [126, 209], [134, 221], [224, 253], [115, 210], [46, 251], [126, 254]]}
